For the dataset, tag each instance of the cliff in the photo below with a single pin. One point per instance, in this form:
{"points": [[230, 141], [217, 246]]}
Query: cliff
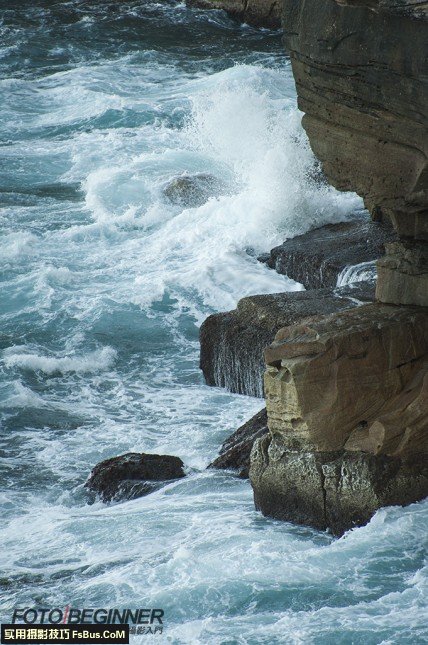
{"points": [[346, 388]]}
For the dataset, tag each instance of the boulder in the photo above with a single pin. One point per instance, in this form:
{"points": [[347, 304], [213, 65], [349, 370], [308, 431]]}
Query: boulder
{"points": [[318, 258], [192, 190], [232, 343], [133, 475], [235, 451], [346, 398]]}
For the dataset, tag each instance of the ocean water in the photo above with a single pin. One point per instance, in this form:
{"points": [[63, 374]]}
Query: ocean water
{"points": [[104, 282]]}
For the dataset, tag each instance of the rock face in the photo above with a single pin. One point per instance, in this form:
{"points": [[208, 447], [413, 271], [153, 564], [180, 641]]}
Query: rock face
{"points": [[260, 13], [348, 58], [232, 343], [236, 450], [133, 475], [403, 274], [346, 398], [317, 258]]}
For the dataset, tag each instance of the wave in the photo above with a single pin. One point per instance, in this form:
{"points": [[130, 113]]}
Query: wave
{"points": [[95, 361]]}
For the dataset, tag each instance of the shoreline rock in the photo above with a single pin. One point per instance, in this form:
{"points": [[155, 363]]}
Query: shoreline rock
{"points": [[236, 450], [317, 258], [346, 398], [363, 88], [233, 343], [133, 475]]}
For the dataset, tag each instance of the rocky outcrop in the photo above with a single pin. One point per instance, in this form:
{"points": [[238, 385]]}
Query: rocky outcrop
{"points": [[346, 398], [133, 475], [232, 343], [317, 258], [260, 13], [236, 450], [362, 81]]}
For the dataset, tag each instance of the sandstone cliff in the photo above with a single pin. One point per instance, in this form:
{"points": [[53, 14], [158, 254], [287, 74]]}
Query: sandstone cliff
{"points": [[361, 75], [346, 394]]}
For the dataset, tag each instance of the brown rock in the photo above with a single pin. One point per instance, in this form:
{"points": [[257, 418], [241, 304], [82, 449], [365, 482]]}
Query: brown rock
{"points": [[232, 343], [348, 63], [403, 274], [347, 404], [332, 375]]}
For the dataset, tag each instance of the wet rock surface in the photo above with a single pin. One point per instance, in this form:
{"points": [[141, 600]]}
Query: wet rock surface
{"points": [[331, 490], [133, 475], [192, 191], [317, 258], [233, 343], [235, 451]]}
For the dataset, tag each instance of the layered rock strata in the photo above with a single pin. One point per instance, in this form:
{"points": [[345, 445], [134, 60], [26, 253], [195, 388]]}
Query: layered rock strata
{"points": [[346, 398], [232, 343], [361, 75]]}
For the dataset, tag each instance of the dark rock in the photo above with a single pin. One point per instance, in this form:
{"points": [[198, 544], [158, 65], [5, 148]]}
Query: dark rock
{"points": [[259, 13], [332, 490], [317, 258], [232, 343], [193, 190], [133, 475], [235, 451]]}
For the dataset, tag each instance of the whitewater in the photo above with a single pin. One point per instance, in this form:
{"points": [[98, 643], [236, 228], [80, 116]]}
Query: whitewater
{"points": [[104, 284]]}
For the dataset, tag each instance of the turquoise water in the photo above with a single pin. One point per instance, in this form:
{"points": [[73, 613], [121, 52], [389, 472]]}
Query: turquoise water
{"points": [[104, 283]]}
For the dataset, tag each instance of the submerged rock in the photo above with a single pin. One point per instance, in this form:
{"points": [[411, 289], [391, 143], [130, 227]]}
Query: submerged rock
{"points": [[317, 258], [232, 343], [346, 398], [133, 475], [235, 451], [192, 190]]}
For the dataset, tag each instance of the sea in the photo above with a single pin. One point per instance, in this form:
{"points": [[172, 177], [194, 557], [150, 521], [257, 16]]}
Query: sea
{"points": [[107, 272]]}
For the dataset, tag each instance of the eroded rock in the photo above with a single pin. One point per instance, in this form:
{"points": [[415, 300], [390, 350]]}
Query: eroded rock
{"points": [[403, 274], [348, 62], [133, 475], [232, 343], [346, 398]]}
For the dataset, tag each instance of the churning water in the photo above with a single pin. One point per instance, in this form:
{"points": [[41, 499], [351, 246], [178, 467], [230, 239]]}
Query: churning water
{"points": [[105, 280]]}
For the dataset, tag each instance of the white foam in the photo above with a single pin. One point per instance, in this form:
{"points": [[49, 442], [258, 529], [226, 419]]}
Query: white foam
{"points": [[95, 361]]}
